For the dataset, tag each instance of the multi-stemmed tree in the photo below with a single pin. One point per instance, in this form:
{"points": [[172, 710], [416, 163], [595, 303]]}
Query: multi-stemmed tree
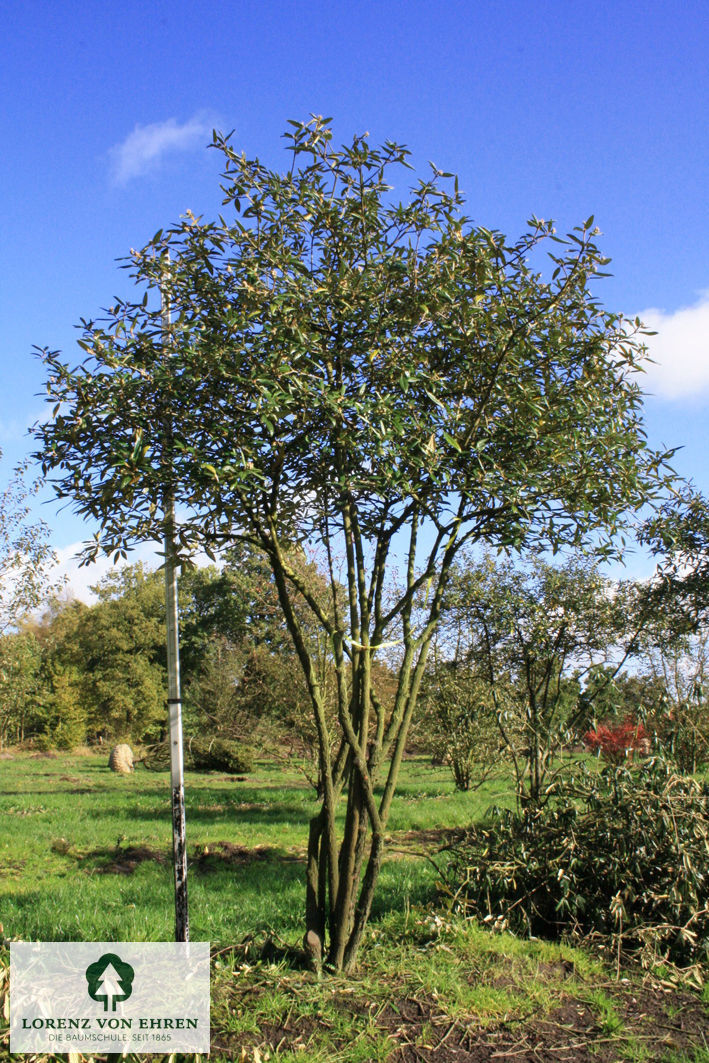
{"points": [[376, 379]]}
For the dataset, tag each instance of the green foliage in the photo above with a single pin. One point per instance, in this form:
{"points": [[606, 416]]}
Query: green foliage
{"points": [[67, 721], [20, 711], [204, 754], [624, 854], [610, 695], [684, 732], [458, 724], [120, 648], [677, 668], [25, 564], [102, 670], [25, 555], [678, 535], [64, 718], [218, 754], [374, 377], [533, 633], [243, 679], [236, 603]]}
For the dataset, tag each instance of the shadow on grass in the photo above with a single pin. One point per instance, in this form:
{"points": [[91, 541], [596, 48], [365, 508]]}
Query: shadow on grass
{"points": [[207, 859], [243, 810]]}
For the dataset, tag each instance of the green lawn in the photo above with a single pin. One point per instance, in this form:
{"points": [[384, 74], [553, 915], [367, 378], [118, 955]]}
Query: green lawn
{"points": [[69, 869], [85, 855]]}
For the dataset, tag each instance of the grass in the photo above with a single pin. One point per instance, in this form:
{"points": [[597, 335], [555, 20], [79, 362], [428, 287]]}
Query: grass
{"points": [[71, 821], [86, 856], [454, 969]]}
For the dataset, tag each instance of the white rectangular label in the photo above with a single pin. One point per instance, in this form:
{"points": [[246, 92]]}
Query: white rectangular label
{"points": [[109, 996]]}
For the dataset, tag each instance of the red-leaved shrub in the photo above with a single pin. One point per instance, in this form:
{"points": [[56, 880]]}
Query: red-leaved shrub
{"points": [[616, 741]]}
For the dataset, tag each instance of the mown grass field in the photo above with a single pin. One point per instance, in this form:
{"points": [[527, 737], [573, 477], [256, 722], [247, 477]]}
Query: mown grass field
{"points": [[86, 852], [85, 855]]}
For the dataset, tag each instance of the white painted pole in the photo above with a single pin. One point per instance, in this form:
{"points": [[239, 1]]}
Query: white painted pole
{"points": [[174, 704]]}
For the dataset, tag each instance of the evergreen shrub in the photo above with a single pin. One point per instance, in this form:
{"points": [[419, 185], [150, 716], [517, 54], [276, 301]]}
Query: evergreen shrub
{"points": [[623, 853]]}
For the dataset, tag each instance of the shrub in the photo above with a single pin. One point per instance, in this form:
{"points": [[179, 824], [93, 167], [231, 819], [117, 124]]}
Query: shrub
{"points": [[203, 754], [219, 754], [618, 741], [458, 724], [625, 855]]}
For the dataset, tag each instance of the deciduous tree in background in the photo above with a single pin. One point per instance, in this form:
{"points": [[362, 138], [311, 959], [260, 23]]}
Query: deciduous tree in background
{"points": [[678, 671], [677, 533], [26, 560], [538, 636], [381, 381], [458, 720], [19, 686]]}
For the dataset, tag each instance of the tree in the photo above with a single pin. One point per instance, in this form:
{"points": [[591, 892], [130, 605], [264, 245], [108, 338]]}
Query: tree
{"points": [[120, 649], [235, 602], [677, 534], [103, 666], [458, 721], [678, 669], [535, 633], [243, 676], [380, 380], [677, 640], [25, 555], [19, 685], [26, 560], [64, 720]]}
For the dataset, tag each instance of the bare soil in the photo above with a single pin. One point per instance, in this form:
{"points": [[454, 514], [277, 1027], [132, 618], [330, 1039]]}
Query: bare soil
{"points": [[571, 1032], [659, 1022]]}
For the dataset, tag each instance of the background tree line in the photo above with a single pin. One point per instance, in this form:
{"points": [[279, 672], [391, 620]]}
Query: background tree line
{"points": [[528, 658], [88, 674]]}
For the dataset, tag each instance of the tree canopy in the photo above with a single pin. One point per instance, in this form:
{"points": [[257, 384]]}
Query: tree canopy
{"points": [[330, 335]]}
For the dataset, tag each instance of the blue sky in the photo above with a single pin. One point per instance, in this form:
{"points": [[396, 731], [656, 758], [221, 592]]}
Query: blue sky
{"points": [[558, 110]]}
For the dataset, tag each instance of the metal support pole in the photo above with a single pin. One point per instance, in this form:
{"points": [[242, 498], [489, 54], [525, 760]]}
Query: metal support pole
{"points": [[174, 703]]}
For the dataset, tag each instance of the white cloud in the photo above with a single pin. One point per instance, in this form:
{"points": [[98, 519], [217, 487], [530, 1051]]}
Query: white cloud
{"points": [[680, 350], [144, 148], [80, 580]]}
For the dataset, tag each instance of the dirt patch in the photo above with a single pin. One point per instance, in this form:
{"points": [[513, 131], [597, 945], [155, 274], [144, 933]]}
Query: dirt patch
{"points": [[273, 1038], [212, 857], [242, 806], [418, 1032], [421, 842], [222, 854], [571, 1033], [12, 867], [125, 861]]}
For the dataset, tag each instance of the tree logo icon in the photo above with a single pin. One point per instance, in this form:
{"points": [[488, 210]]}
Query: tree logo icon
{"points": [[110, 979]]}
